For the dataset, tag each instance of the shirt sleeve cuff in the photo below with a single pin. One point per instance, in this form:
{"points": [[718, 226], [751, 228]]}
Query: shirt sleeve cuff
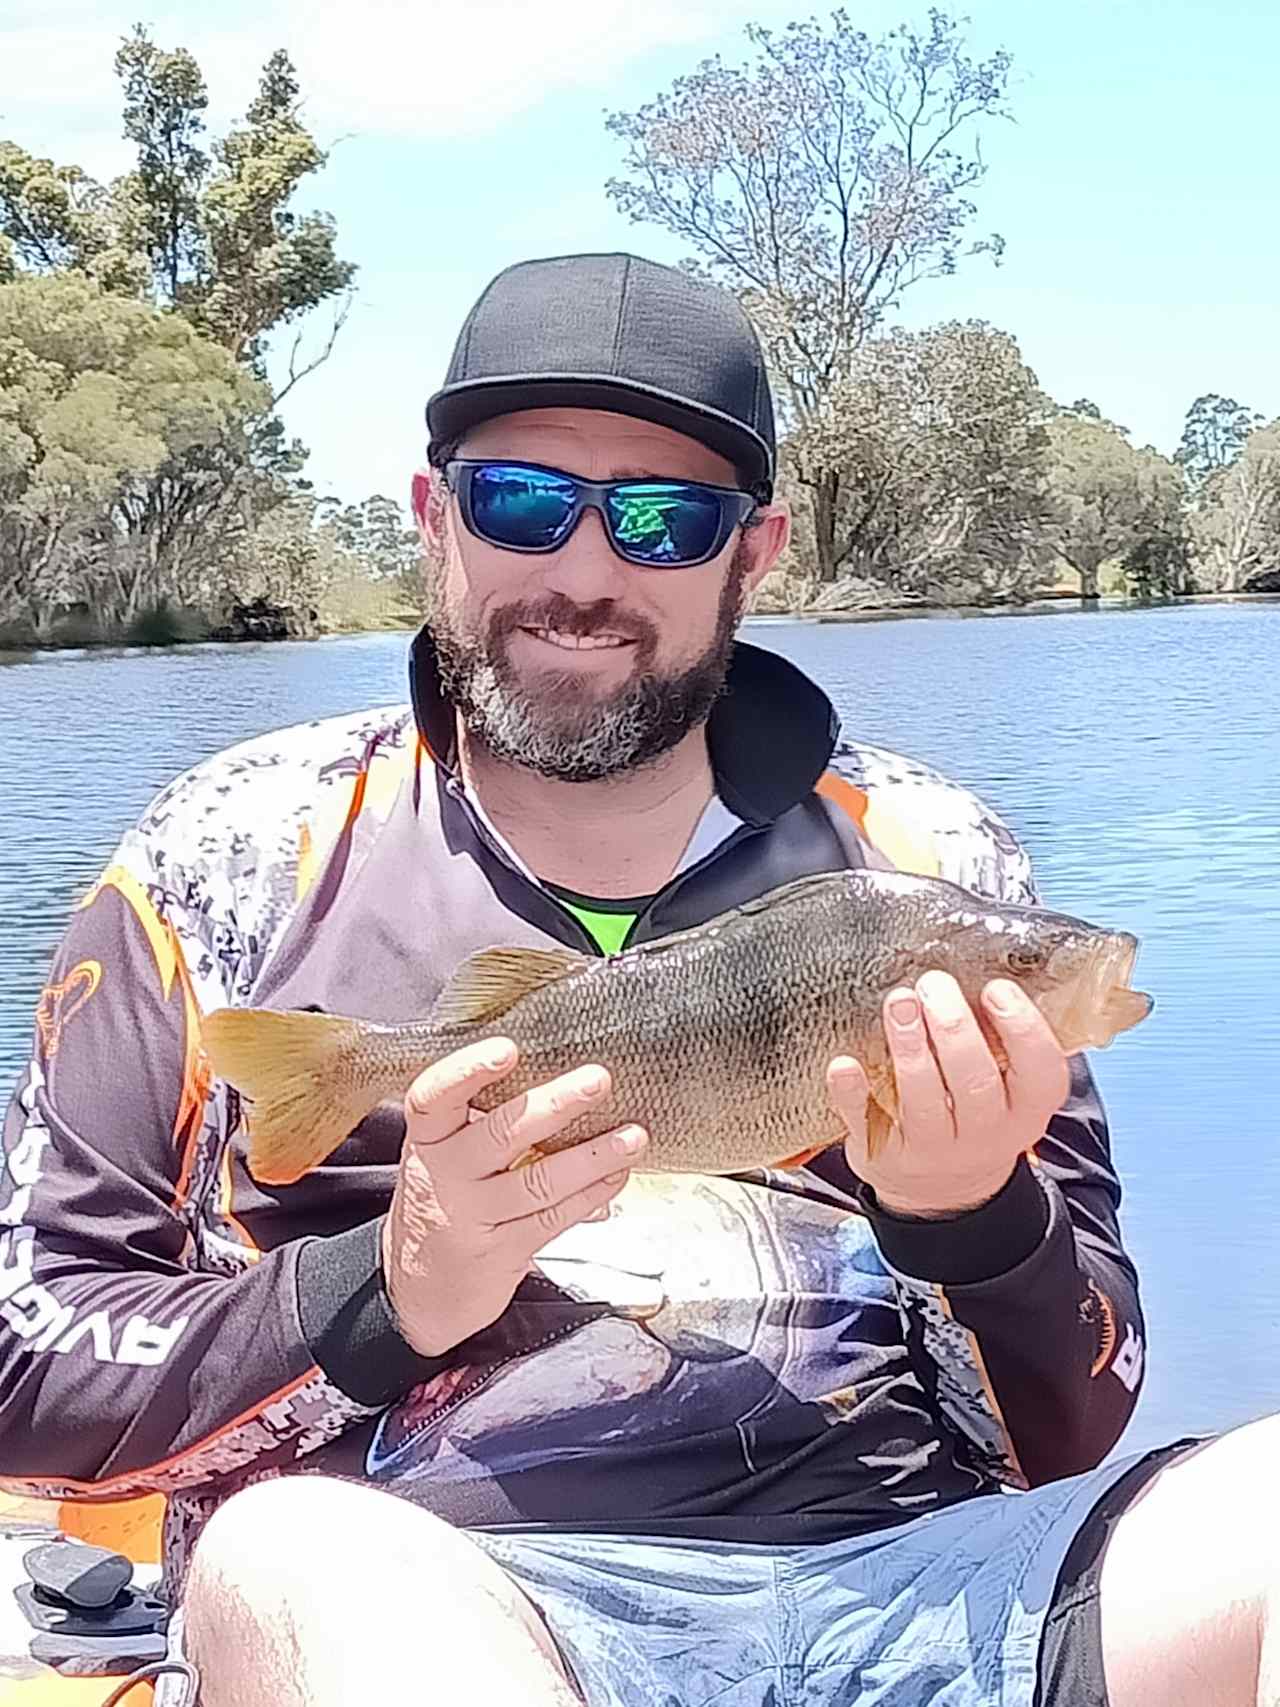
{"points": [[348, 1321], [964, 1250]]}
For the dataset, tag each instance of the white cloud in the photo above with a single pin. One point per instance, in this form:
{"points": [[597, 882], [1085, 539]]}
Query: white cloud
{"points": [[434, 69]]}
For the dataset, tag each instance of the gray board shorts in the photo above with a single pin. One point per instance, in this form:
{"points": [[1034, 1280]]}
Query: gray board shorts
{"points": [[989, 1603]]}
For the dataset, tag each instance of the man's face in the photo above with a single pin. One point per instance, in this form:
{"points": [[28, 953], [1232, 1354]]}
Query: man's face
{"points": [[576, 664]]}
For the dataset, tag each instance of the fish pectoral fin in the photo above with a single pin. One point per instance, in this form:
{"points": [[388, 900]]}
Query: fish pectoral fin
{"points": [[491, 982], [882, 1108], [880, 1125]]}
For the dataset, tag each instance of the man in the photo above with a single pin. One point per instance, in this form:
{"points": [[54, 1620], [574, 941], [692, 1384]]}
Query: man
{"points": [[650, 1438]]}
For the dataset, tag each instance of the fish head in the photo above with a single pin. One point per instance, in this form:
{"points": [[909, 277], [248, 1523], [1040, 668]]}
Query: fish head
{"points": [[1077, 974]]}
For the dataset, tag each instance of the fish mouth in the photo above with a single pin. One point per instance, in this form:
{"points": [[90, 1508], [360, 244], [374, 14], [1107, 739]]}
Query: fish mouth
{"points": [[1107, 1004]]}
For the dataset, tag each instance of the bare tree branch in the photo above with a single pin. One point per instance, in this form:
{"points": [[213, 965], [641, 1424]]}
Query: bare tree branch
{"points": [[821, 181], [297, 374]]}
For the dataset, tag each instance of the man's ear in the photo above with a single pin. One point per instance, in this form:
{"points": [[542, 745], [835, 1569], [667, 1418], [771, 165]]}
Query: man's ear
{"points": [[767, 540], [428, 496]]}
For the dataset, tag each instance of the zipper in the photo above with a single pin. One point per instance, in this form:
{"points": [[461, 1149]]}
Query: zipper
{"points": [[734, 840], [583, 937]]}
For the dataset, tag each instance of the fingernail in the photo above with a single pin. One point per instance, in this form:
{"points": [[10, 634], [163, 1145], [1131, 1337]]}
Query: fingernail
{"points": [[594, 1083], [904, 1009], [501, 1055], [1005, 997], [630, 1140], [944, 997]]}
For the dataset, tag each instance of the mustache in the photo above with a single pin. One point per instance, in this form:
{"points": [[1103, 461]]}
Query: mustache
{"points": [[561, 613]]}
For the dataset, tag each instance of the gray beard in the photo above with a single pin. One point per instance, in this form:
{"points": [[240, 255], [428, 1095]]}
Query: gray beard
{"points": [[556, 725]]}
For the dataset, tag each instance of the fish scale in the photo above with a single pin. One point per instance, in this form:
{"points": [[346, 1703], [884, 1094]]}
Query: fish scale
{"points": [[717, 1038], [747, 1065]]}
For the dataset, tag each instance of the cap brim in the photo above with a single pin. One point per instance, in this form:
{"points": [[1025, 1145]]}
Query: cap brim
{"points": [[457, 408]]}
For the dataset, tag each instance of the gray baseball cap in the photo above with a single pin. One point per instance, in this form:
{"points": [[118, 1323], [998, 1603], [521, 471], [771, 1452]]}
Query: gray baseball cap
{"points": [[613, 332]]}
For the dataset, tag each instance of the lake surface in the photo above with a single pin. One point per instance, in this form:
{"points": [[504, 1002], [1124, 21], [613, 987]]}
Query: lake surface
{"points": [[1138, 754]]}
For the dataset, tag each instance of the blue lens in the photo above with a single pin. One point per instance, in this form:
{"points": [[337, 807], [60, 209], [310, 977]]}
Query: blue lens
{"points": [[658, 522], [521, 507]]}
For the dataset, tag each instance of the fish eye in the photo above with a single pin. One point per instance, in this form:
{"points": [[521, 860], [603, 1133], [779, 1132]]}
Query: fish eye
{"points": [[1024, 957]]}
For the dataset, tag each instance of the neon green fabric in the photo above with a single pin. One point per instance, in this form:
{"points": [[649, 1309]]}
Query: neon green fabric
{"points": [[608, 930]]}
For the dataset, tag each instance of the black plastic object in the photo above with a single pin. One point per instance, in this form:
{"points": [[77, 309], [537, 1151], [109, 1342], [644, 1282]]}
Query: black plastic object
{"points": [[87, 1615], [77, 1574]]}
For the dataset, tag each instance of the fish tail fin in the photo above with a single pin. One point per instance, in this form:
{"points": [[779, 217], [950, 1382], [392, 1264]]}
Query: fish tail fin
{"points": [[293, 1068]]}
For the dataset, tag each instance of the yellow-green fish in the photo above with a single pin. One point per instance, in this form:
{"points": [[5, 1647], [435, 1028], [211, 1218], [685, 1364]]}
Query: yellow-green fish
{"points": [[717, 1038]]}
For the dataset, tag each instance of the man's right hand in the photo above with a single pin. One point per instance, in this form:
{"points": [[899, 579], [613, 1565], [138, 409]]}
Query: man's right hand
{"points": [[463, 1228]]}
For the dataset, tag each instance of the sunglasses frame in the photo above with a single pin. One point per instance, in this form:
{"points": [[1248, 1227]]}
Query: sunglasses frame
{"points": [[460, 472]]}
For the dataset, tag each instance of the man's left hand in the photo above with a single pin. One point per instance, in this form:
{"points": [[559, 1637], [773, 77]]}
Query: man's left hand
{"points": [[963, 1123]]}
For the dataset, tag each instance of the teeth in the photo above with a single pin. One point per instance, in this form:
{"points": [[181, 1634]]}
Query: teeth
{"points": [[579, 642]]}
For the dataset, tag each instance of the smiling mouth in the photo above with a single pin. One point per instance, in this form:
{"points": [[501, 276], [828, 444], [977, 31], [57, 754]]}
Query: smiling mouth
{"points": [[579, 642]]}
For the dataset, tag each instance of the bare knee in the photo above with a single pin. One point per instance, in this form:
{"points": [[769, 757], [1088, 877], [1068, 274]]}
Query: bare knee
{"points": [[1190, 1584], [325, 1538], [286, 1569], [1225, 1492]]}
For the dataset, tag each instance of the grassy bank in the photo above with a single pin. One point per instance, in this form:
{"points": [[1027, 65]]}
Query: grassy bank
{"points": [[354, 605], [164, 625]]}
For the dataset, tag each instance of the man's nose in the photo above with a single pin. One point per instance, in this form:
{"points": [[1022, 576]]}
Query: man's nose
{"points": [[586, 567]]}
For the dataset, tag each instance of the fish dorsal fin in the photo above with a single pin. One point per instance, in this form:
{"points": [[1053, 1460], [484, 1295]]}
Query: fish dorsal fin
{"points": [[489, 983], [797, 889]]}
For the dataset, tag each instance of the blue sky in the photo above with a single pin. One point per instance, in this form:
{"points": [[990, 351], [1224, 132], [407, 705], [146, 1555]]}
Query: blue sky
{"points": [[1137, 189]]}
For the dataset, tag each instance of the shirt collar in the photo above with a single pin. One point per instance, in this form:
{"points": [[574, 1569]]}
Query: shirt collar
{"points": [[770, 735]]}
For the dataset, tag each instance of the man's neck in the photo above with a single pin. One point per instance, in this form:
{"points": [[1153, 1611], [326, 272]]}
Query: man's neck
{"points": [[620, 837]]}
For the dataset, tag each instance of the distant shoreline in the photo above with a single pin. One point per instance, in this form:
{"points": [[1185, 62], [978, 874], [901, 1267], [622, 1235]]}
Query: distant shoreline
{"points": [[1068, 605], [55, 646]]}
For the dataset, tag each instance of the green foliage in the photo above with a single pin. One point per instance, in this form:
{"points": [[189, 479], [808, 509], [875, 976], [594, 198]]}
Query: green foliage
{"points": [[140, 455], [1107, 498], [56, 219], [166, 624], [1235, 521], [375, 532], [165, 98], [1214, 435], [269, 266], [355, 604], [302, 561], [1157, 566], [934, 449], [45, 212], [144, 492], [99, 395], [204, 228]]}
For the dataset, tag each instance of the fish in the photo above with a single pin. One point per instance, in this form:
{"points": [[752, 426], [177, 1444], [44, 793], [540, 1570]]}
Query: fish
{"points": [[718, 1038]]}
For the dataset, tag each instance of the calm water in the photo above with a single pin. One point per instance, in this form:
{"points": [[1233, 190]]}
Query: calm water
{"points": [[1139, 755]]}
